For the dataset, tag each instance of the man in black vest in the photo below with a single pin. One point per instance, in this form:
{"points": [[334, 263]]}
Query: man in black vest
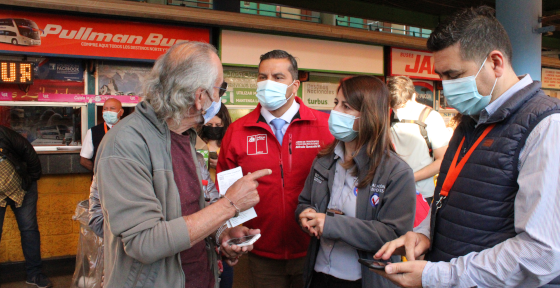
{"points": [[112, 113], [495, 219]]}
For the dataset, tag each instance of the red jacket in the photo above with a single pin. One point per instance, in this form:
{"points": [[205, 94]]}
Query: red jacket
{"points": [[250, 143]]}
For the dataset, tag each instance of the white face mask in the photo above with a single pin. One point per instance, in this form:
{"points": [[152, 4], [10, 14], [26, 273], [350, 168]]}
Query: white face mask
{"points": [[272, 95]]}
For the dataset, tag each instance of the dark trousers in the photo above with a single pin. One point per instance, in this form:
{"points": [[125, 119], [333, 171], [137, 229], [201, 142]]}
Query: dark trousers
{"points": [[226, 279], [26, 217], [321, 280]]}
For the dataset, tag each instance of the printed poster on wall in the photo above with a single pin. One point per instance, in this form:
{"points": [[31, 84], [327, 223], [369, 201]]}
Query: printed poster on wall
{"points": [[60, 69], [424, 92], [41, 33], [114, 78], [319, 95], [550, 78], [242, 88], [412, 63]]}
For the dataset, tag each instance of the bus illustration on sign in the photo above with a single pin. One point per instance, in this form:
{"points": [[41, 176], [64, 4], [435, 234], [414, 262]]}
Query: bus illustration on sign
{"points": [[18, 31]]}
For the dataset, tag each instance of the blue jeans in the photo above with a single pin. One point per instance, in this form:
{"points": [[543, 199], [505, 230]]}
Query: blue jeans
{"points": [[26, 217], [226, 279]]}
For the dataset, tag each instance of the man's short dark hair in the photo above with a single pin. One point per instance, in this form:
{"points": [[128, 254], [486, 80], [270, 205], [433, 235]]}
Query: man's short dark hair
{"points": [[281, 54], [478, 31]]}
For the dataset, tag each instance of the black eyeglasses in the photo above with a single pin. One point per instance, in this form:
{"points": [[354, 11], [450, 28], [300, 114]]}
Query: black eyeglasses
{"points": [[223, 89]]}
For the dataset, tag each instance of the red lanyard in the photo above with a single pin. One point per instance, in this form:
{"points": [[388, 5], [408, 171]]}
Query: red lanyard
{"points": [[455, 170], [105, 127]]}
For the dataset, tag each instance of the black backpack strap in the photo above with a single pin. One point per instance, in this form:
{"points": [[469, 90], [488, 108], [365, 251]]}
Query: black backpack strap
{"points": [[422, 125]]}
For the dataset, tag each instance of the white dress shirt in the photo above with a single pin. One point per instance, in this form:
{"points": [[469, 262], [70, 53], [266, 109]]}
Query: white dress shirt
{"points": [[87, 146], [532, 257], [288, 116]]}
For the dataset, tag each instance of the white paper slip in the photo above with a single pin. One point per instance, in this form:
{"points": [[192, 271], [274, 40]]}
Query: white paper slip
{"points": [[242, 218], [225, 180]]}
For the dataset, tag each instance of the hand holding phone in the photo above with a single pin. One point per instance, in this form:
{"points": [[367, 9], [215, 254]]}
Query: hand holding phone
{"points": [[244, 241], [374, 264], [213, 155]]}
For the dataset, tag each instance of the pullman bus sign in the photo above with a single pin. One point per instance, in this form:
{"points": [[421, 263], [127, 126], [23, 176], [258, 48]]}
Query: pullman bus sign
{"points": [[43, 34]]}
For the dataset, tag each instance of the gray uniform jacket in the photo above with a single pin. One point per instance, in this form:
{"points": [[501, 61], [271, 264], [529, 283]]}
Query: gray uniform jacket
{"points": [[144, 230], [374, 225]]}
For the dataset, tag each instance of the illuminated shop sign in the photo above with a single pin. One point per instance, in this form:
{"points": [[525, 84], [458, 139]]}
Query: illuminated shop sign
{"points": [[16, 72]]}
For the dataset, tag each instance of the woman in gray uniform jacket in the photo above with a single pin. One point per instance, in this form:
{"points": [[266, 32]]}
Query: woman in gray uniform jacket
{"points": [[359, 194]]}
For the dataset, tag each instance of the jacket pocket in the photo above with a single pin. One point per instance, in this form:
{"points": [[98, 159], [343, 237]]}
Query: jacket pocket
{"points": [[142, 275]]}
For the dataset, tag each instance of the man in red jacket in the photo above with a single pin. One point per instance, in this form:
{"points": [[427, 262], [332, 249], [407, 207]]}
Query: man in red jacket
{"points": [[284, 135]]}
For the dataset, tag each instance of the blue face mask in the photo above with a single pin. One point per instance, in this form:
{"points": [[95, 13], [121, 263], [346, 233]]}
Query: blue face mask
{"points": [[462, 94], [111, 117], [272, 95], [341, 126], [211, 111]]}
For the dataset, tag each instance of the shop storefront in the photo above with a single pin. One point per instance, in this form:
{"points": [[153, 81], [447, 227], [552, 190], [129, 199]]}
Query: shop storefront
{"points": [[320, 68], [419, 66], [56, 71]]}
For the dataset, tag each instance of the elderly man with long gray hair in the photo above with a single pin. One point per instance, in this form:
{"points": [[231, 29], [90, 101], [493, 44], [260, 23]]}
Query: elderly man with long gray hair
{"points": [[158, 230]]}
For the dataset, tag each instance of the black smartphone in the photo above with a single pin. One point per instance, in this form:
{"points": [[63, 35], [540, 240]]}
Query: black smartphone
{"points": [[374, 264], [213, 155]]}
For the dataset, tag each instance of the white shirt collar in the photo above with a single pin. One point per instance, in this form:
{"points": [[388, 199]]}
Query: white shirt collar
{"points": [[288, 115], [110, 125], [339, 150], [524, 81]]}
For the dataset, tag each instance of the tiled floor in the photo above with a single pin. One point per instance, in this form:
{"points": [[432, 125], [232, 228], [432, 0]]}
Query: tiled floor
{"points": [[58, 281]]}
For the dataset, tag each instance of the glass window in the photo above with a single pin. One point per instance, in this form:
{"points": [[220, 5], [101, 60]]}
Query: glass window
{"points": [[45, 125]]}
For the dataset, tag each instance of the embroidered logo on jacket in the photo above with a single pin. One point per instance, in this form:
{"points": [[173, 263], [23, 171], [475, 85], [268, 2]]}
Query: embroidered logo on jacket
{"points": [[257, 144], [374, 201], [308, 144], [378, 188], [318, 178]]}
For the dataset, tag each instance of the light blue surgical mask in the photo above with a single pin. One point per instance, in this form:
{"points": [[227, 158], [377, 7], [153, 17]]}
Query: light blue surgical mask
{"points": [[211, 111], [110, 117], [272, 95], [341, 126], [462, 94]]}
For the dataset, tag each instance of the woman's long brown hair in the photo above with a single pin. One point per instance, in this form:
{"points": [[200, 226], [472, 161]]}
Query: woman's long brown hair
{"points": [[370, 96]]}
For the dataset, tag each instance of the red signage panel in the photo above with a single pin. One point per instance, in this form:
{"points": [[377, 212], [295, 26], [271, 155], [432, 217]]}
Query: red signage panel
{"points": [[94, 37], [412, 63]]}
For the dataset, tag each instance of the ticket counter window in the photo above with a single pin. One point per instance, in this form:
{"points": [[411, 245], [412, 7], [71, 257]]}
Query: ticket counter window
{"points": [[45, 125]]}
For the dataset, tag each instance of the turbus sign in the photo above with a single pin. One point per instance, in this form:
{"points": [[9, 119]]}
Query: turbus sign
{"points": [[412, 63], [82, 36]]}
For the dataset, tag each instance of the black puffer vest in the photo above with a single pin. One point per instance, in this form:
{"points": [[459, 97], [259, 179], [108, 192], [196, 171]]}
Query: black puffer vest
{"points": [[479, 210], [97, 134]]}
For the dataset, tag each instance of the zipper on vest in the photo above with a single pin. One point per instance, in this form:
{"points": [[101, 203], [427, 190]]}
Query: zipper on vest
{"points": [[290, 149]]}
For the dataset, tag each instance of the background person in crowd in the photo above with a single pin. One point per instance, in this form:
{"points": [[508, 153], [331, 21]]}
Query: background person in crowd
{"points": [[285, 135], [159, 232], [494, 221], [112, 113], [20, 169], [424, 155], [212, 133], [359, 194]]}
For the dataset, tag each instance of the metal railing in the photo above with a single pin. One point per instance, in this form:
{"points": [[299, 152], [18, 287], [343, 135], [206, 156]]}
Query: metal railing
{"points": [[377, 28], [280, 14]]}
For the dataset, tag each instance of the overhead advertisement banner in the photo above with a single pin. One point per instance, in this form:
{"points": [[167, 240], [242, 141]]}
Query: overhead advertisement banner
{"points": [[91, 37], [550, 78], [412, 63]]}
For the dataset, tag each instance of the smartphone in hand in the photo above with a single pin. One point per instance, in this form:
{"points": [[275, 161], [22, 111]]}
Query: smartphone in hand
{"points": [[374, 264], [244, 241]]}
